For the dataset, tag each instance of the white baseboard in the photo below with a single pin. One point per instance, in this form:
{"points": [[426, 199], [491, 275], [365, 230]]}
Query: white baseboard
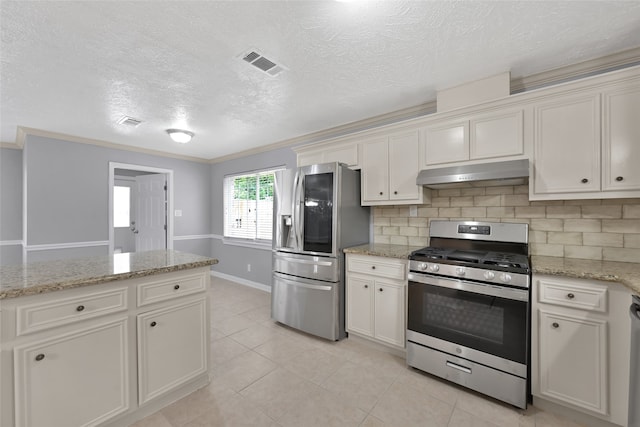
{"points": [[242, 281]]}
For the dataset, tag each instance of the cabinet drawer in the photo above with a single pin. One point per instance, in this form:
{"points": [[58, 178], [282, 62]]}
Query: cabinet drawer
{"points": [[377, 266], [162, 290], [592, 297], [62, 311]]}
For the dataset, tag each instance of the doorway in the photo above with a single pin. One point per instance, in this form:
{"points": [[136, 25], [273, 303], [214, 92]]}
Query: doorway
{"points": [[140, 202]]}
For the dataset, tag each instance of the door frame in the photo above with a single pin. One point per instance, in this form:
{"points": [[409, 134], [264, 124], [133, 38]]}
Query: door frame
{"points": [[169, 174]]}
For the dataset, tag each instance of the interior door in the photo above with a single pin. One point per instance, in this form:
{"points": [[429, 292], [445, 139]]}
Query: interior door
{"points": [[151, 218]]}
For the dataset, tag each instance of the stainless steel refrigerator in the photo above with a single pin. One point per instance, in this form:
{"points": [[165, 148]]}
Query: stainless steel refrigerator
{"points": [[316, 214]]}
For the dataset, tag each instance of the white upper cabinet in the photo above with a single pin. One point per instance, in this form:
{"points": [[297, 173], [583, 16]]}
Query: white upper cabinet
{"points": [[342, 152], [484, 136], [567, 145], [390, 166], [621, 139]]}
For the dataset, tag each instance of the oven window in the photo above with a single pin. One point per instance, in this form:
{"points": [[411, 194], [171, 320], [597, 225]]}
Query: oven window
{"points": [[486, 323]]}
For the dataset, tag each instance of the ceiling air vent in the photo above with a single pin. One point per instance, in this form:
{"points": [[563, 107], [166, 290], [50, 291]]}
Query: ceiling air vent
{"points": [[129, 121], [259, 61]]}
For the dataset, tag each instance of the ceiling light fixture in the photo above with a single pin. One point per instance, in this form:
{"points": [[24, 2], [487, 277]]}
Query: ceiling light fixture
{"points": [[179, 135]]}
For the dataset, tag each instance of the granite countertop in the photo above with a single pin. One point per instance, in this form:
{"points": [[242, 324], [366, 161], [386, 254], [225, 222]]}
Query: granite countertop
{"points": [[40, 277], [383, 249], [626, 273]]}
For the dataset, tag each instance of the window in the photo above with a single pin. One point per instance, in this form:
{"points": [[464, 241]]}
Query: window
{"points": [[248, 205], [121, 206]]}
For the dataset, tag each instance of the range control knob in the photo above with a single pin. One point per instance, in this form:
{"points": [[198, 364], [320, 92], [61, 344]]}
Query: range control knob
{"points": [[505, 277], [489, 275], [422, 266], [434, 267], [460, 271]]}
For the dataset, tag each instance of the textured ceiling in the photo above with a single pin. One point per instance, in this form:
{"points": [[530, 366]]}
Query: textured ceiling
{"points": [[78, 67]]}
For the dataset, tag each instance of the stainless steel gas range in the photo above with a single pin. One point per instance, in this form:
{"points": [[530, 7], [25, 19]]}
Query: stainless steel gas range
{"points": [[469, 307]]}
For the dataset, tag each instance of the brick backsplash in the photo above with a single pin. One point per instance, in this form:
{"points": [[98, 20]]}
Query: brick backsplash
{"points": [[601, 229]]}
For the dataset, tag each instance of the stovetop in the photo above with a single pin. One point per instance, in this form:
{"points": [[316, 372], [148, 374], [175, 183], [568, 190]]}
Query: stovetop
{"points": [[501, 261]]}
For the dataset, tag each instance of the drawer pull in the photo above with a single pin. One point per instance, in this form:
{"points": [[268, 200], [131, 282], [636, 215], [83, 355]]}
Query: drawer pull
{"points": [[39, 357], [366, 286], [571, 296], [153, 324], [373, 267], [619, 178], [458, 367], [380, 289], [381, 193], [176, 287], [584, 180], [555, 325], [395, 192], [80, 308]]}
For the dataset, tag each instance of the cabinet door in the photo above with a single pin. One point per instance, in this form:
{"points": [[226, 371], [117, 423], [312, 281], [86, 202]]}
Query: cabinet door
{"points": [[404, 165], [375, 170], [621, 143], [360, 305], [172, 347], [496, 135], [446, 143], [572, 360], [567, 146], [76, 379], [389, 324]]}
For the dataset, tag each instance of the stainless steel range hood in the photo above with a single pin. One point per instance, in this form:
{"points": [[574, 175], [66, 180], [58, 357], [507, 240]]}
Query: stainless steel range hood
{"points": [[511, 172]]}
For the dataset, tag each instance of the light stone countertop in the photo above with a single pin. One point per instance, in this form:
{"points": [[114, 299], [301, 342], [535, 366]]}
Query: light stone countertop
{"points": [[383, 249], [40, 277], [626, 273]]}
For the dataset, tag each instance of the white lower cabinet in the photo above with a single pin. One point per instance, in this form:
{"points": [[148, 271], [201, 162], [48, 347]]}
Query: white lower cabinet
{"points": [[580, 345], [79, 378], [376, 295], [171, 348]]}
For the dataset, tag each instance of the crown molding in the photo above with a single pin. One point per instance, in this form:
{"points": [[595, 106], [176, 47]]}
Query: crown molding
{"points": [[345, 129], [23, 132], [625, 58]]}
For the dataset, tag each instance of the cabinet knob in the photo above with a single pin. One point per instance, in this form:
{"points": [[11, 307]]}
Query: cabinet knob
{"points": [[176, 287], [395, 192], [373, 267], [366, 286], [80, 308], [555, 325], [571, 296], [585, 180], [619, 178], [153, 324], [380, 289], [381, 193], [39, 357]]}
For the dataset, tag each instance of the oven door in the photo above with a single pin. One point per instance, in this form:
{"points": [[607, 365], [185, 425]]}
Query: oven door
{"points": [[482, 317]]}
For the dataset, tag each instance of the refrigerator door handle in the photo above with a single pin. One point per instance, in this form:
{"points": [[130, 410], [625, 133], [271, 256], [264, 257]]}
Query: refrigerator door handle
{"points": [[298, 201], [634, 312]]}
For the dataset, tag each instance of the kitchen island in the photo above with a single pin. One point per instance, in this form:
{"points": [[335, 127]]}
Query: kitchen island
{"points": [[102, 340]]}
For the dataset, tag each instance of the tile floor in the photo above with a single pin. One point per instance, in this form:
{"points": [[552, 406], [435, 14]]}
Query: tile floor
{"points": [[265, 374]]}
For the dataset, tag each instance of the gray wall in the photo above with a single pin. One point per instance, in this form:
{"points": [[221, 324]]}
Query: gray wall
{"points": [[10, 205], [234, 259], [67, 193]]}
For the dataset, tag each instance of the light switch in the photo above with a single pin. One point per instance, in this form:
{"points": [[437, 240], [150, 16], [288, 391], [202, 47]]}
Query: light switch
{"points": [[178, 212]]}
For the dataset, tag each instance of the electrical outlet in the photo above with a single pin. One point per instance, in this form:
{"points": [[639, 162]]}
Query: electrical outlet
{"points": [[248, 267]]}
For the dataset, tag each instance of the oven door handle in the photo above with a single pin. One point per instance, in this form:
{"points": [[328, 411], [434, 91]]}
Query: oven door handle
{"points": [[478, 288]]}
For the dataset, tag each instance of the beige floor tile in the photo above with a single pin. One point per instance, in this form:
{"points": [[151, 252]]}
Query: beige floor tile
{"points": [[314, 364], [278, 392], [190, 407], [254, 336], [234, 412], [259, 315], [372, 421], [216, 335], [460, 418], [433, 386], [323, 409], [281, 348], [243, 370], [547, 419], [233, 324], [402, 405], [359, 385], [491, 410], [225, 349], [154, 420]]}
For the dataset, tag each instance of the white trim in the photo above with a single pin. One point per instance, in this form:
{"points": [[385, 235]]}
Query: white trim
{"points": [[195, 237], [169, 172], [247, 244], [242, 281], [70, 245], [11, 242]]}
